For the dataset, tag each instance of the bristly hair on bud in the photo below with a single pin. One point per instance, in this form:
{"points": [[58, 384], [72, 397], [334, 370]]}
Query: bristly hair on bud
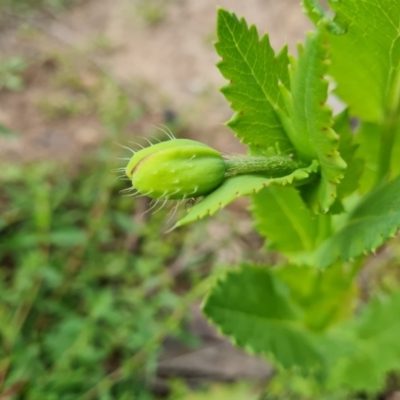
{"points": [[183, 169], [175, 170]]}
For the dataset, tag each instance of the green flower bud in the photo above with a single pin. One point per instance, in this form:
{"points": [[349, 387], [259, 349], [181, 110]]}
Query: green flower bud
{"points": [[176, 169]]}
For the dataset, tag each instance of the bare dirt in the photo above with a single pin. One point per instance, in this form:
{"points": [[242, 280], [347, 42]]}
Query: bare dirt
{"points": [[172, 62]]}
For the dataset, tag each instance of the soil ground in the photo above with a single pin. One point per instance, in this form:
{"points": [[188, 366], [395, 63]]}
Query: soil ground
{"points": [[170, 62]]}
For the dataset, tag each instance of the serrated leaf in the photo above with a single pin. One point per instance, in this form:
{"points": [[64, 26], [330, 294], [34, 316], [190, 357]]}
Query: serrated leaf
{"points": [[317, 14], [309, 124], [376, 347], [347, 150], [254, 71], [395, 155], [366, 59], [368, 137], [264, 321], [371, 223], [325, 296], [271, 108], [238, 186], [283, 218]]}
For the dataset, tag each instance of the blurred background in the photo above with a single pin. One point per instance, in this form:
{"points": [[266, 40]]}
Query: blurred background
{"points": [[96, 300]]}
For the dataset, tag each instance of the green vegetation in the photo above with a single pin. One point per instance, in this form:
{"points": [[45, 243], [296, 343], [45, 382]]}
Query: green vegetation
{"points": [[10, 73], [152, 11], [339, 202], [34, 5], [84, 288], [86, 295]]}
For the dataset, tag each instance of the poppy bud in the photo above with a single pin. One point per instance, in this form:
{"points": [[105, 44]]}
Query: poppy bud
{"points": [[177, 169]]}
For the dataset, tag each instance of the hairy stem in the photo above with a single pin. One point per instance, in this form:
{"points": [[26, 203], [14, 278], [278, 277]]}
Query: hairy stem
{"points": [[274, 166]]}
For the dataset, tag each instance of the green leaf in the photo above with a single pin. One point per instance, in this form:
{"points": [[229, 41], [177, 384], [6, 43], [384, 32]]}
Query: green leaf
{"points": [[269, 117], [254, 71], [222, 391], [283, 218], [68, 237], [395, 155], [375, 347], [366, 59], [264, 321], [368, 137], [368, 226], [323, 295], [347, 150], [309, 123], [317, 14], [13, 82], [237, 186]]}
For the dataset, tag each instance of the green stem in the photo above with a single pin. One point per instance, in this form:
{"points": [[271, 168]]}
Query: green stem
{"points": [[389, 129], [274, 166]]}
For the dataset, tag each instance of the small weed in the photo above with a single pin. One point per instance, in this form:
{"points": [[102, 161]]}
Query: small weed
{"points": [[30, 6], [153, 11], [84, 285], [10, 73], [64, 106], [103, 44]]}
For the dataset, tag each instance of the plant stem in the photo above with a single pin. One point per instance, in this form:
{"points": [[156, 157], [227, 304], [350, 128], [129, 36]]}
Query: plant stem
{"points": [[389, 129], [273, 166]]}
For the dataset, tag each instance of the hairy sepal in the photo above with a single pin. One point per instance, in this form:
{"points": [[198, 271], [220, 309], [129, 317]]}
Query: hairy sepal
{"points": [[139, 155], [177, 169]]}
